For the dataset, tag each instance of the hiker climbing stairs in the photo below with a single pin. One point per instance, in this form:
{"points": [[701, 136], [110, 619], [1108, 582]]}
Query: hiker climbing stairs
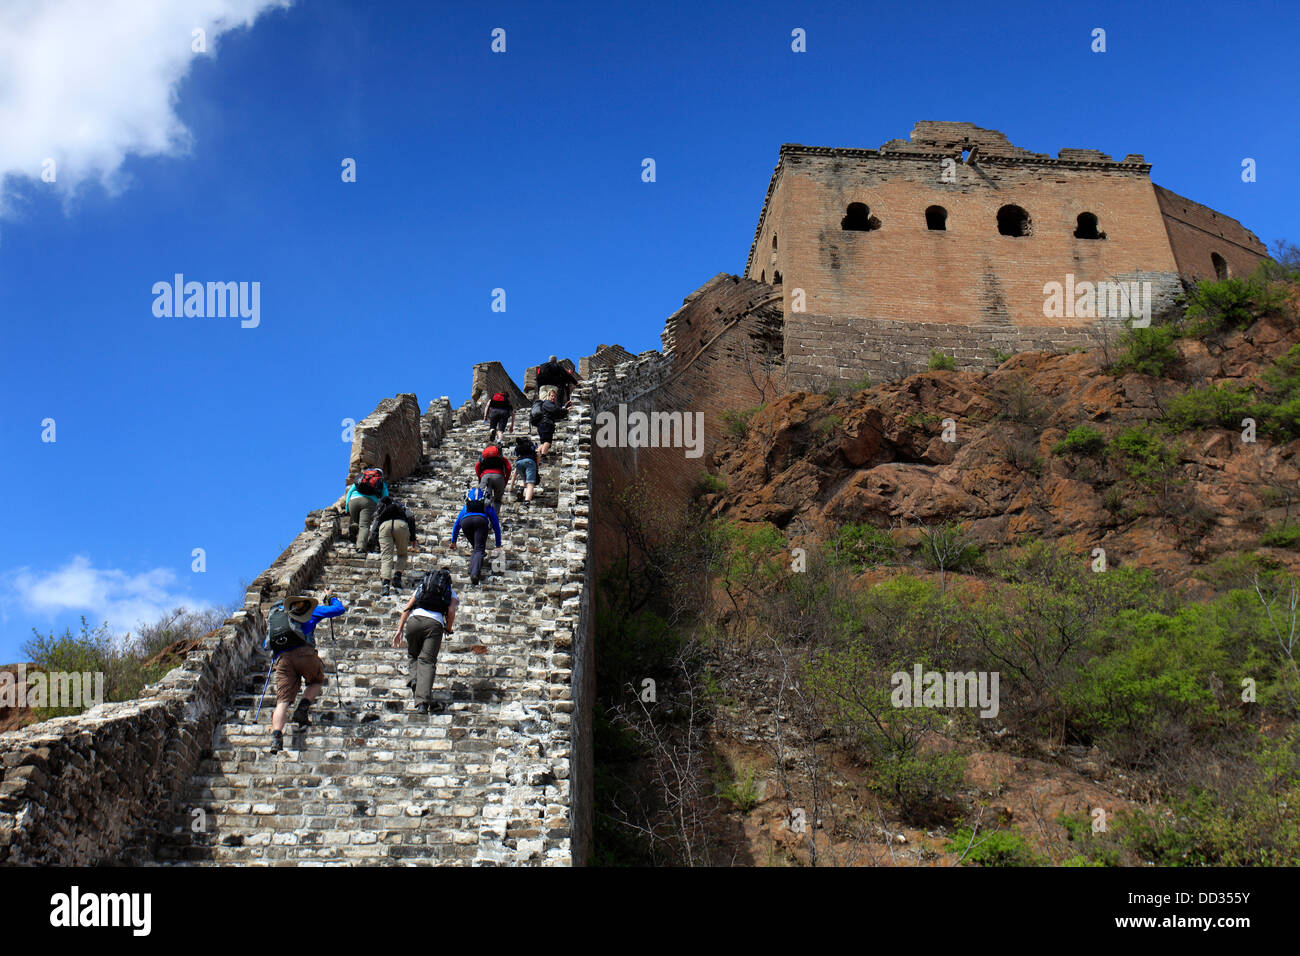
{"points": [[370, 781]]}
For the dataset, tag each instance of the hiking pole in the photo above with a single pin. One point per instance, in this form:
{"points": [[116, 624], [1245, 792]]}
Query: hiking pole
{"points": [[265, 684]]}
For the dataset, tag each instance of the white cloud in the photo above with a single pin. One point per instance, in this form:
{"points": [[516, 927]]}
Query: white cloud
{"points": [[102, 594], [87, 82]]}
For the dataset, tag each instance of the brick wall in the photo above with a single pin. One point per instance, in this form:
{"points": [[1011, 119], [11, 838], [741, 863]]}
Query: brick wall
{"points": [[712, 363], [866, 292], [1197, 232], [388, 438]]}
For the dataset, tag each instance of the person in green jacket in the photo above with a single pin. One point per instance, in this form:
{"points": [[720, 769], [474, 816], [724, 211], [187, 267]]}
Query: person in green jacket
{"points": [[360, 503]]}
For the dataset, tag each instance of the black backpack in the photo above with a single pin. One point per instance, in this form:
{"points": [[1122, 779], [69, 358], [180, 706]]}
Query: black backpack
{"points": [[525, 449], [478, 507], [433, 593], [537, 414], [283, 633]]}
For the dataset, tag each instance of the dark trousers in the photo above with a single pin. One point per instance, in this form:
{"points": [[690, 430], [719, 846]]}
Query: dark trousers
{"points": [[476, 529], [498, 419], [423, 641], [494, 486]]}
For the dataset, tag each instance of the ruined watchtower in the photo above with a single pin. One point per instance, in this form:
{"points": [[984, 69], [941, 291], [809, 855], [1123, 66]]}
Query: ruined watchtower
{"points": [[946, 241]]}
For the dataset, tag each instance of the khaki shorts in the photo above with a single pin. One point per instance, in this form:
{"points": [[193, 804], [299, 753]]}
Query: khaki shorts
{"points": [[292, 668]]}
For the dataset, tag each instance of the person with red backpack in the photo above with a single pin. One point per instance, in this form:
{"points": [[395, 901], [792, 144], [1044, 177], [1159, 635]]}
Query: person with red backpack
{"points": [[493, 472], [476, 519], [360, 502], [497, 415], [428, 615]]}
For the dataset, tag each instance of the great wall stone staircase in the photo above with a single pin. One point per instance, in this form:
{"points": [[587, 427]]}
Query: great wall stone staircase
{"points": [[371, 782]]}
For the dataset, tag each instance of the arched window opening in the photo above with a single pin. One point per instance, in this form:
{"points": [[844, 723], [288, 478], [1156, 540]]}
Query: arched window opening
{"points": [[858, 218], [774, 242], [1087, 227], [776, 278], [1220, 266], [762, 276], [936, 218], [1013, 221]]}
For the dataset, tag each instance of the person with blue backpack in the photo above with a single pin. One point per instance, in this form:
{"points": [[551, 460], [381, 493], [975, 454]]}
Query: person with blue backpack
{"points": [[428, 615], [290, 635], [360, 502], [476, 518]]}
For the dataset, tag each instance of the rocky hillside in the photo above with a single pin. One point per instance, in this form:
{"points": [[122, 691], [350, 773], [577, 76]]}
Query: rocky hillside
{"points": [[809, 463], [956, 521]]}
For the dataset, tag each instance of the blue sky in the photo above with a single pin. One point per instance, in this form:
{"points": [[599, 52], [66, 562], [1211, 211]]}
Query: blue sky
{"points": [[475, 171]]}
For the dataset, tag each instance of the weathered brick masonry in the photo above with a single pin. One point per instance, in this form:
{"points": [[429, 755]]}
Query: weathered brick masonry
{"points": [[856, 230], [722, 350]]}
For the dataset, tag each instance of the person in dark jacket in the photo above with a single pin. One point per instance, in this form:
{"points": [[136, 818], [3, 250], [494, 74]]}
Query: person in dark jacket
{"points": [[551, 411], [526, 467], [497, 415], [493, 472], [552, 373], [394, 528], [476, 519]]}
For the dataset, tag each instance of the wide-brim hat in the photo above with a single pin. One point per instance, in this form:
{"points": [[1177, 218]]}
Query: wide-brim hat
{"points": [[300, 616]]}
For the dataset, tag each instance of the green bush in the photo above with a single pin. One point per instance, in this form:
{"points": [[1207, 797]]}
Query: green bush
{"points": [[742, 792], [941, 362], [1147, 351], [736, 424], [1282, 536], [947, 548], [1081, 440], [1216, 406], [993, 848], [1143, 455], [709, 484], [860, 546], [127, 662], [828, 425], [1250, 823], [1227, 304]]}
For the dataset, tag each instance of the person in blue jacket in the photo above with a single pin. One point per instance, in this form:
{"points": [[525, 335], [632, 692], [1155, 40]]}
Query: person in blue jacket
{"points": [[300, 663], [475, 519], [360, 503]]}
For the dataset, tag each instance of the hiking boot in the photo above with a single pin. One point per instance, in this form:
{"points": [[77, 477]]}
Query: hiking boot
{"points": [[473, 581], [397, 579], [300, 714], [422, 707], [386, 589], [436, 707], [277, 741]]}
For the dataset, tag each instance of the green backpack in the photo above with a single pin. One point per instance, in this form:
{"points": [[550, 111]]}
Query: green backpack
{"points": [[283, 632]]}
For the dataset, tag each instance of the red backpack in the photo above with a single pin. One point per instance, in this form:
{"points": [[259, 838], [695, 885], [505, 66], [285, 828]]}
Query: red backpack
{"points": [[371, 482], [499, 397]]}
